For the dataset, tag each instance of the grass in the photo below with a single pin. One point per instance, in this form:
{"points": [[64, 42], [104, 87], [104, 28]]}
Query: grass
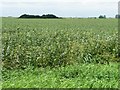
{"points": [[72, 76], [60, 53]]}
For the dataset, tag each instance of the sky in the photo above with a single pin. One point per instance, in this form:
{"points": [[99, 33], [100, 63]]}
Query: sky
{"points": [[63, 8]]}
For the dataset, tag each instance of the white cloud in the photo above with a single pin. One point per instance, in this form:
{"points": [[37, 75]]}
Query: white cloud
{"points": [[83, 1], [61, 7], [57, 3]]}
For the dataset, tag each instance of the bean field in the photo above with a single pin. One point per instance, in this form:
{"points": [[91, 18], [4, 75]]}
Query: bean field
{"points": [[69, 50]]}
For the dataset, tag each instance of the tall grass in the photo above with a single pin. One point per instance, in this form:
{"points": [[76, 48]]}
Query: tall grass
{"points": [[42, 43]]}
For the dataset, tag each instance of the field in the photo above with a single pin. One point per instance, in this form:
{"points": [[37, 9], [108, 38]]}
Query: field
{"points": [[56, 53]]}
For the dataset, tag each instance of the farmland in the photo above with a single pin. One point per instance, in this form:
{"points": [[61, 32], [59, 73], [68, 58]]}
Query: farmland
{"points": [[56, 53]]}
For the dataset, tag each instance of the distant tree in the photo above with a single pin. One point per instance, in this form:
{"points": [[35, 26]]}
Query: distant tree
{"points": [[49, 16], [37, 16], [101, 16], [95, 17], [29, 16], [104, 16], [117, 16], [23, 16]]}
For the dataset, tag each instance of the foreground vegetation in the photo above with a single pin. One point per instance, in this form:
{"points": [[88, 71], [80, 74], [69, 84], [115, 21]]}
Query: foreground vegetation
{"points": [[73, 76], [67, 52]]}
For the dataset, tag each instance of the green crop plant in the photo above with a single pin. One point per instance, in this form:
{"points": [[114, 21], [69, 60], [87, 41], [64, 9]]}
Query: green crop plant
{"points": [[58, 42]]}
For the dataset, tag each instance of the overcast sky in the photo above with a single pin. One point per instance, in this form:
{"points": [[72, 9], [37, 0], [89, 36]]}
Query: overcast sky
{"points": [[65, 8]]}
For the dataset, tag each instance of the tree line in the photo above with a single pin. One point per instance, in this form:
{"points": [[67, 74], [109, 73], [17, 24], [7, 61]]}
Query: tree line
{"points": [[104, 16], [53, 16], [37, 16]]}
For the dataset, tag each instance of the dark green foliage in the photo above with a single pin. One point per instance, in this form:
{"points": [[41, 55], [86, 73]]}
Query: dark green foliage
{"points": [[101, 16], [117, 16], [37, 16], [49, 16]]}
